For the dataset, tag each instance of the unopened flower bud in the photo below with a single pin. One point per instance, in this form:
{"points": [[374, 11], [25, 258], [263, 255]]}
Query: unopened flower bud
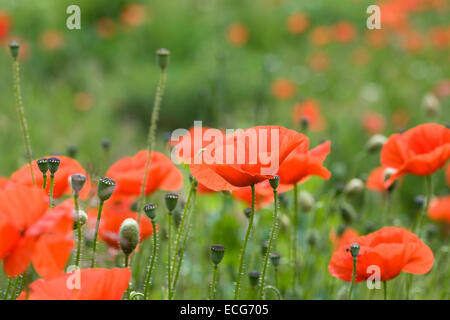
{"points": [[248, 212], [80, 217], [306, 201], [347, 212], [72, 151], [375, 143], [312, 238], [304, 124], [253, 276], [354, 249], [53, 164], [431, 104], [106, 144], [162, 57], [354, 187], [275, 259], [274, 182], [105, 189], [171, 201], [217, 253], [150, 210], [77, 182], [128, 236], [14, 48], [43, 165]]}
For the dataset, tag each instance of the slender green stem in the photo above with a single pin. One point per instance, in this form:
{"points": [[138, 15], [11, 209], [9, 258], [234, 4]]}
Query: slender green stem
{"points": [[152, 262], [16, 284], [385, 289], [244, 246], [151, 137], [169, 256], [77, 209], [52, 185], [21, 114], [212, 293], [97, 225], [273, 235], [128, 287], [429, 192], [294, 240], [353, 280], [276, 277], [44, 184], [10, 281]]}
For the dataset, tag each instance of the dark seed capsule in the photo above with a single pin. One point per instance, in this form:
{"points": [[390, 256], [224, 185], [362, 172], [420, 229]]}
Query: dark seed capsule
{"points": [[171, 201], [150, 210], [53, 164], [253, 276], [105, 189], [77, 182], [43, 165], [217, 253]]}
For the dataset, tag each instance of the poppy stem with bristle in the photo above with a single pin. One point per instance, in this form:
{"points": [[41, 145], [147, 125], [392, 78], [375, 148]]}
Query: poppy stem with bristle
{"points": [[10, 281], [128, 287], [244, 246], [52, 185], [97, 225], [169, 256], [353, 279], [77, 209], [294, 239], [212, 293], [152, 262]]}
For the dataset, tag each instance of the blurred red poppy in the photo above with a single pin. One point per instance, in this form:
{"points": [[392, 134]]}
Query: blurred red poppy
{"points": [[309, 110], [29, 232], [237, 34], [3, 182], [297, 23], [92, 284], [320, 35], [283, 89], [373, 122], [133, 14], [128, 172], [375, 181], [344, 32], [319, 61], [391, 249], [5, 25], [440, 209], [62, 186], [245, 157]]}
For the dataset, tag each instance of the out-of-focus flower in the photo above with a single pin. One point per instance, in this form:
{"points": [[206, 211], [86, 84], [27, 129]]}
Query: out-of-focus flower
{"points": [[283, 89], [133, 14], [412, 41], [5, 25], [442, 88], [51, 40], [400, 119], [361, 56], [440, 37], [377, 38], [440, 209], [319, 61], [83, 101], [309, 110], [344, 32], [431, 104], [373, 122], [105, 27], [297, 23], [237, 34], [320, 36]]}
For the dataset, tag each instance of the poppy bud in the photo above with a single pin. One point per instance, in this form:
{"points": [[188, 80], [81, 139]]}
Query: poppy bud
{"points": [[347, 212], [14, 48], [150, 211], [72, 151], [53, 164], [419, 202], [162, 57], [77, 182], [354, 187], [354, 249], [304, 124], [80, 217], [274, 182], [264, 247], [171, 201], [275, 259], [217, 253], [105, 189], [248, 212], [306, 201], [128, 236], [431, 104], [375, 143], [176, 216], [106, 144], [253, 276], [312, 238], [43, 165]]}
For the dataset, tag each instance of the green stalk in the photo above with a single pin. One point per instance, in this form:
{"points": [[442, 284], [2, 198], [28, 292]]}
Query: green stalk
{"points": [[16, 283], [128, 287], [10, 281], [294, 240], [169, 257], [212, 293], [97, 225], [78, 254], [273, 235], [244, 246], [52, 184], [21, 114], [385, 289], [152, 262], [353, 280], [44, 184]]}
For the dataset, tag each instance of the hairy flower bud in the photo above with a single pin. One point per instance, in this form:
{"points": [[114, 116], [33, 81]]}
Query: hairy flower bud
{"points": [[274, 182], [275, 259], [354, 249], [354, 187], [80, 217], [128, 236], [375, 143]]}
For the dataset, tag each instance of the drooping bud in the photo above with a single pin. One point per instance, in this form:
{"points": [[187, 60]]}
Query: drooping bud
{"points": [[171, 201], [306, 201], [128, 236], [275, 259], [304, 124], [53, 164], [106, 144], [162, 57], [14, 48], [105, 189], [253, 276], [79, 216], [354, 249], [354, 187], [248, 212], [150, 210], [274, 182], [375, 143], [347, 212], [77, 182], [431, 104], [312, 238], [217, 253], [43, 165]]}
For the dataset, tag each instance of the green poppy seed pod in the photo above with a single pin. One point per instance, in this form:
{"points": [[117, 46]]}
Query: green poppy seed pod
{"points": [[431, 104], [274, 182], [248, 212], [171, 201], [354, 249], [53, 164], [347, 212], [77, 182], [217, 253], [253, 276], [264, 247], [81, 217], [162, 57], [105, 189], [304, 124], [354, 187], [14, 48], [150, 210], [275, 259], [306, 201], [176, 217], [43, 165], [375, 143], [106, 144], [128, 236]]}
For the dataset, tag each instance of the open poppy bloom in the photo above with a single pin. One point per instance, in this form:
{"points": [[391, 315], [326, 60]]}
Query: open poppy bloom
{"points": [[245, 157], [376, 180], [263, 193], [347, 236], [301, 164], [391, 249], [420, 151], [67, 167], [128, 172], [309, 110], [83, 284], [440, 209], [29, 232], [3, 182]]}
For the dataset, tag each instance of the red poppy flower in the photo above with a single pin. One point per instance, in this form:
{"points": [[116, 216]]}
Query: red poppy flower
{"points": [[301, 164], [297, 23], [309, 110], [245, 157], [3, 182], [440, 209], [391, 249], [129, 172], [420, 151], [344, 32], [263, 194], [62, 186], [283, 89], [113, 215], [373, 122], [320, 35], [5, 25], [348, 235], [237, 34], [375, 182], [29, 232], [92, 284]]}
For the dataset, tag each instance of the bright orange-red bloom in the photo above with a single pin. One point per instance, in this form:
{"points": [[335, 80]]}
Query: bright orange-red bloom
{"points": [[440, 209], [129, 172], [309, 110], [344, 32], [283, 89], [245, 157], [346, 237], [320, 36], [5, 25], [237, 34], [3, 182], [92, 284], [29, 232], [62, 187], [263, 194], [133, 14], [447, 175], [297, 23], [373, 122], [391, 249], [301, 164], [375, 181], [420, 151]]}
